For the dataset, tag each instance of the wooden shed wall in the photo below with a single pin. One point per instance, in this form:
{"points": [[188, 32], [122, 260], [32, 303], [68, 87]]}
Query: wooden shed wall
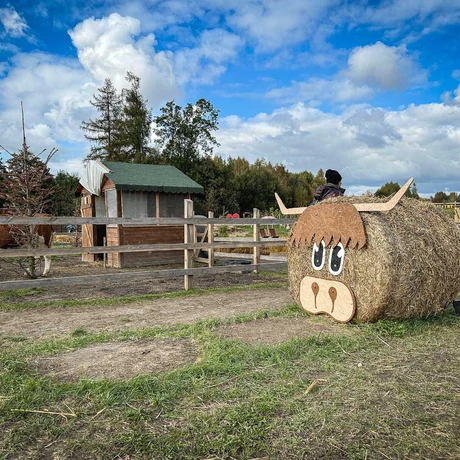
{"points": [[114, 259], [171, 205], [153, 234], [87, 230]]}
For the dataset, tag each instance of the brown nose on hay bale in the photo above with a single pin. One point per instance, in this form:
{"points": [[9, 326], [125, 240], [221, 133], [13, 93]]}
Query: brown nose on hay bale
{"points": [[407, 266]]}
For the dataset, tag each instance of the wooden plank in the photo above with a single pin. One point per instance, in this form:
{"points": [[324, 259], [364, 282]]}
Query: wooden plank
{"points": [[132, 276], [256, 237], [16, 220], [211, 240], [38, 252], [188, 238]]}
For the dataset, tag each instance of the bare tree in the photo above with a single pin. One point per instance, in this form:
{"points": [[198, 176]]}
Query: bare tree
{"points": [[27, 188]]}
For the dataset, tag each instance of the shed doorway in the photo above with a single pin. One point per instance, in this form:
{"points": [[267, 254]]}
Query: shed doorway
{"points": [[100, 232]]}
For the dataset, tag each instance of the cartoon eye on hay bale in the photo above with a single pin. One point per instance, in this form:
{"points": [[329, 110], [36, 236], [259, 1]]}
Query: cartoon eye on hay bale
{"points": [[373, 260]]}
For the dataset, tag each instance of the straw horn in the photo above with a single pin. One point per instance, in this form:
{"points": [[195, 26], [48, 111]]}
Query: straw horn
{"points": [[361, 207]]}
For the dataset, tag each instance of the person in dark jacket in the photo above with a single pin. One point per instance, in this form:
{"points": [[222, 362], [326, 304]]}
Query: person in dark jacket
{"points": [[331, 189]]}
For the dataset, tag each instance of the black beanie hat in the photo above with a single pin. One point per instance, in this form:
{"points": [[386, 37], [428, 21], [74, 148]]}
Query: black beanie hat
{"points": [[333, 176]]}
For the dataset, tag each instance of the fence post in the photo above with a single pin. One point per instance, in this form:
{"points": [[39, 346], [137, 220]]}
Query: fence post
{"points": [[104, 243], [210, 240], [256, 256], [188, 238]]}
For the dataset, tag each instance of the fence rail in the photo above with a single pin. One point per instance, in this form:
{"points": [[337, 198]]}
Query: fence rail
{"points": [[51, 220], [190, 247], [135, 275]]}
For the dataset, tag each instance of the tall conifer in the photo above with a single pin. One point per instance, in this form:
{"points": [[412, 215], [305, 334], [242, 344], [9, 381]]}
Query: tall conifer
{"points": [[103, 132]]}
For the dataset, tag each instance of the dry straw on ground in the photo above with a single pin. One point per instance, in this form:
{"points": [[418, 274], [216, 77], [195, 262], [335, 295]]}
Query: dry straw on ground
{"points": [[409, 267]]}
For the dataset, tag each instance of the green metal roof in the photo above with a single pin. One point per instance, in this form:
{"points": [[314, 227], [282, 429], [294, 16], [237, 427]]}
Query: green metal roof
{"points": [[151, 178]]}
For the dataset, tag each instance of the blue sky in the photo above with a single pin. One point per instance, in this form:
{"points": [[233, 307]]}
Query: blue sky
{"points": [[370, 88]]}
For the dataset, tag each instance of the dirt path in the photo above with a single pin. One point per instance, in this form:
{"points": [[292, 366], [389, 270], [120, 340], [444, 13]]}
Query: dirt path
{"points": [[45, 322]]}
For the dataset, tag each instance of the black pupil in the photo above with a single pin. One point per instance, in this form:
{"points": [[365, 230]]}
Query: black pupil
{"points": [[335, 259], [318, 256]]}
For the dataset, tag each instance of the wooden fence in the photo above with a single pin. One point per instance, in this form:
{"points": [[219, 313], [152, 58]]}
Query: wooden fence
{"points": [[190, 247]]}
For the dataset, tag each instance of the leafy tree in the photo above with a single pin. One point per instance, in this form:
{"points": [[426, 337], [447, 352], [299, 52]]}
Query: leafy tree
{"points": [[440, 197], [302, 188], [103, 132], [184, 136], [238, 165], [256, 188], [135, 130], [412, 192], [389, 188], [217, 179], [63, 201], [318, 180]]}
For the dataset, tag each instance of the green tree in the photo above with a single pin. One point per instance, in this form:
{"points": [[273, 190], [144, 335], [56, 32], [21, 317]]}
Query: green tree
{"points": [[64, 202], [256, 188], [440, 197], [302, 188], [319, 179], [135, 130], [389, 188], [103, 132], [412, 192], [216, 176], [238, 165], [184, 136]]}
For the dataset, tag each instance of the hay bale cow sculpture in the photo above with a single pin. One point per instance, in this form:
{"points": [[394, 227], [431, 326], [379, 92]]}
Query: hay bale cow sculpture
{"points": [[44, 232], [373, 260]]}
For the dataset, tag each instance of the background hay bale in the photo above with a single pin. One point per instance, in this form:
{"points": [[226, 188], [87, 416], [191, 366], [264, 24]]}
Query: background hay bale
{"points": [[410, 266]]}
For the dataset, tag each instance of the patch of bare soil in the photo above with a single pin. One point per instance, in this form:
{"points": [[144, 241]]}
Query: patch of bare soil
{"points": [[277, 330], [73, 266], [118, 360], [45, 322]]}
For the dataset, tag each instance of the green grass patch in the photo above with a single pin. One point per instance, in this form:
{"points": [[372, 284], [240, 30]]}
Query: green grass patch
{"points": [[390, 390], [21, 292]]}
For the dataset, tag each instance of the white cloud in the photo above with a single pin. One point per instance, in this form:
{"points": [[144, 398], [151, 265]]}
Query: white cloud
{"points": [[337, 89], [368, 146], [209, 59], [272, 24], [370, 69], [384, 67], [107, 48], [47, 85], [448, 99], [14, 24]]}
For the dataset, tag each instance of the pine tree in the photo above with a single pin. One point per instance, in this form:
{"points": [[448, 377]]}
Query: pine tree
{"points": [[135, 132], [103, 132]]}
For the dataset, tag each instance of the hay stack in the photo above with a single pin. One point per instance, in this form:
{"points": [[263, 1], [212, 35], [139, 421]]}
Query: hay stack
{"points": [[408, 268]]}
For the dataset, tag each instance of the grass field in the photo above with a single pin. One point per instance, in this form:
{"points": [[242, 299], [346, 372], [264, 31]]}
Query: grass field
{"points": [[387, 390]]}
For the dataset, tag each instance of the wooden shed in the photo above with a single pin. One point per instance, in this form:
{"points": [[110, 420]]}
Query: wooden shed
{"points": [[110, 189]]}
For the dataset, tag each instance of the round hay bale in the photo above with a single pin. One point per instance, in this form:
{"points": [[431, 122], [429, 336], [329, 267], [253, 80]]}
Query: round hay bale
{"points": [[407, 267]]}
